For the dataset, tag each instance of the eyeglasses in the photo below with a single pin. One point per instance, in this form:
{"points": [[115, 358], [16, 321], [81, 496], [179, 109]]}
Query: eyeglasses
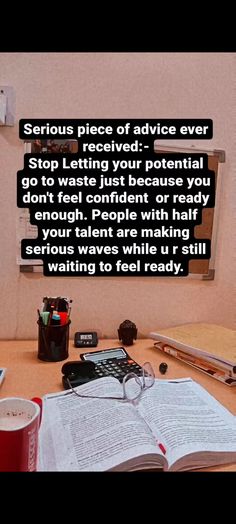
{"points": [[133, 385]]}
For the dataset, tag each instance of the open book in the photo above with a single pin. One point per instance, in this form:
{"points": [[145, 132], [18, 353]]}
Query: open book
{"points": [[175, 425]]}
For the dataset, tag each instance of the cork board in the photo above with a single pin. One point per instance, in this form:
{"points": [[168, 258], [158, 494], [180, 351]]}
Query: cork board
{"points": [[204, 268], [206, 230]]}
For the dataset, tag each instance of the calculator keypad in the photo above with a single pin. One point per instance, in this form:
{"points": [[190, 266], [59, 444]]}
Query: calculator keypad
{"points": [[117, 368]]}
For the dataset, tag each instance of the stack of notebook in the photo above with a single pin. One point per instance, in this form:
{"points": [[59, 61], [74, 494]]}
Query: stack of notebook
{"points": [[207, 347]]}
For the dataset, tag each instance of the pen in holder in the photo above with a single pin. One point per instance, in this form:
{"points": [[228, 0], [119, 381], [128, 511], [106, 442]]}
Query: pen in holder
{"points": [[53, 341]]}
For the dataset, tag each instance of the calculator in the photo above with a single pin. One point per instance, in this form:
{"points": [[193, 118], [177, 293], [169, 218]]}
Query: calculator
{"points": [[112, 362]]}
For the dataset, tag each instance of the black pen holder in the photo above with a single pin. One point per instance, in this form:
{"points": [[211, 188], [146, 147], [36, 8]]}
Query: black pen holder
{"points": [[53, 342]]}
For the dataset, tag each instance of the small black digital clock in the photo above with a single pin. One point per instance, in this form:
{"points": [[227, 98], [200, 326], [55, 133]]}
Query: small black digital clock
{"points": [[88, 339]]}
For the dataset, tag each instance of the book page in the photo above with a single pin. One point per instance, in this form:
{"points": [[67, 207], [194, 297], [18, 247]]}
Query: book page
{"points": [[189, 420], [82, 434]]}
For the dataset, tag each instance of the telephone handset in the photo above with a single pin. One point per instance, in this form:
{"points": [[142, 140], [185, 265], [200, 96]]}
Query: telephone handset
{"points": [[78, 373], [114, 362]]}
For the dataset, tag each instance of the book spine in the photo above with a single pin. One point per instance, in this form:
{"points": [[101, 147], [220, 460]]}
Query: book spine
{"points": [[201, 365], [226, 365]]}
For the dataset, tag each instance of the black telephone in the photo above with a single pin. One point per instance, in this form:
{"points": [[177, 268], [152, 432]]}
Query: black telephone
{"points": [[114, 362], [78, 373]]}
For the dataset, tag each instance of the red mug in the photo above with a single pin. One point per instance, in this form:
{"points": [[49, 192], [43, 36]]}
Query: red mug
{"points": [[19, 428]]}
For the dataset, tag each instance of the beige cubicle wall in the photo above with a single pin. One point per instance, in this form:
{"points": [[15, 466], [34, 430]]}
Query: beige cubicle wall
{"points": [[119, 85]]}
